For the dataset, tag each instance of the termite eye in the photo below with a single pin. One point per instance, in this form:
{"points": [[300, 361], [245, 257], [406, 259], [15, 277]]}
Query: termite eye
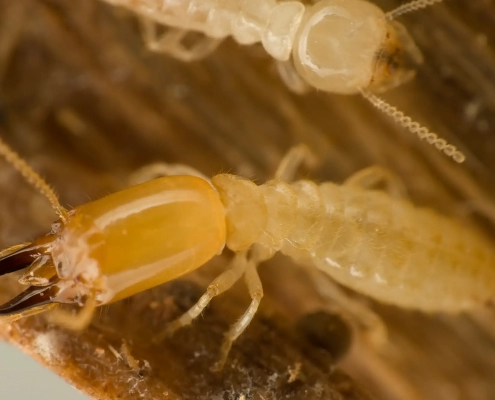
{"points": [[397, 59]]}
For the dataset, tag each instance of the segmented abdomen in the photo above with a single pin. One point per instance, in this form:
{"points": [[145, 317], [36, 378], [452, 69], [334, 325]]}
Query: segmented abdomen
{"points": [[216, 18], [380, 246]]}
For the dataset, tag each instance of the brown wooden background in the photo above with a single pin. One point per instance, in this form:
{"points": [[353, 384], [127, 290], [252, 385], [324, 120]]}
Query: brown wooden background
{"points": [[86, 104]]}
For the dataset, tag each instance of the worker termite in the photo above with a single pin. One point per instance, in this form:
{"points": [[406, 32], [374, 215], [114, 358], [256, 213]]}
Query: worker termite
{"points": [[337, 46], [151, 233]]}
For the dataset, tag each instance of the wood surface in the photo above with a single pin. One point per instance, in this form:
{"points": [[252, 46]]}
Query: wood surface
{"points": [[86, 104]]}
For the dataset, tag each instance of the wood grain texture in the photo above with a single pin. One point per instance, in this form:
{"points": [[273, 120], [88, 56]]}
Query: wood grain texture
{"points": [[86, 104]]}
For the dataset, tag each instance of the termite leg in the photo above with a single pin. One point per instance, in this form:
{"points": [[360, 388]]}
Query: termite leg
{"points": [[370, 177], [370, 323], [221, 284], [291, 162], [157, 170], [72, 321], [291, 77], [171, 42], [255, 288]]}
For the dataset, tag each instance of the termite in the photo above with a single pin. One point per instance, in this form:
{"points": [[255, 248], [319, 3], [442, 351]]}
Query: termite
{"points": [[337, 46], [372, 242]]}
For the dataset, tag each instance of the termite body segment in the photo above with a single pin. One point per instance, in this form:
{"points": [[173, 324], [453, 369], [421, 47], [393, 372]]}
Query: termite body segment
{"points": [[141, 237]]}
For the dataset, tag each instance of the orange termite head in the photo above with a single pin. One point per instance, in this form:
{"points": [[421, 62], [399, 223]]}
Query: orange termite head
{"points": [[114, 247]]}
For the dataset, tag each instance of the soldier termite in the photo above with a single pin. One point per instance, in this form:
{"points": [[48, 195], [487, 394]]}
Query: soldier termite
{"points": [[377, 244], [337, 46]]}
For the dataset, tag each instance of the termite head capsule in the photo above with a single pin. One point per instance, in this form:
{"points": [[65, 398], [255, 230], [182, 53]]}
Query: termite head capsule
{"points": [[345, 46]]}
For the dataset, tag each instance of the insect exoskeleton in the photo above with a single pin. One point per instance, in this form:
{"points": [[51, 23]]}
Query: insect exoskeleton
{"points": [[148, 234], [338, 46]]}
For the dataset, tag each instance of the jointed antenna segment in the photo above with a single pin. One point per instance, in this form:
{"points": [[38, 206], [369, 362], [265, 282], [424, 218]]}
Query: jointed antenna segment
{"points": [[33, 178], [409, 7], [415, 127]]}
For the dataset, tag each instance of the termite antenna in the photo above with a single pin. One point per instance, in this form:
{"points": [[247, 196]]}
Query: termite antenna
{"points": [[33, 178], [410, 7], [414, 127]]}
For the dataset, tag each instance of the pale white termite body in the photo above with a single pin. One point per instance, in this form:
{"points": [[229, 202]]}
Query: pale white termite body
{"points": [[380, 246], [337, 46]]}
